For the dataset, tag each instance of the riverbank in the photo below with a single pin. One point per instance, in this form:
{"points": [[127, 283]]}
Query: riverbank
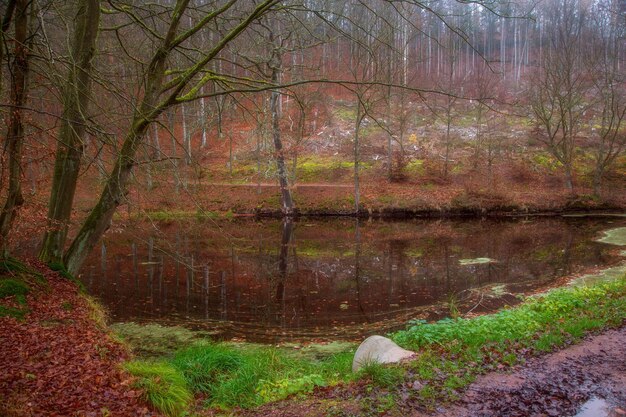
{"points": [[378, 201]]}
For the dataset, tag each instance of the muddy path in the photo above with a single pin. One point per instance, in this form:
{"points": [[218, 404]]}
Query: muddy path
{"points": [[557, 384]]}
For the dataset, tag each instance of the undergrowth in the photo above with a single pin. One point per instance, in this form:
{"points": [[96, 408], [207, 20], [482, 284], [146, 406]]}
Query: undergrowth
{"points": [[165, 388]]}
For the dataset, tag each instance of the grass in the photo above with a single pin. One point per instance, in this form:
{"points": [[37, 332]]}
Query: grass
{"points": [[246, 375], [16, 282], [381, 375], [165, 388], [154, 340], [166, 215], [318, 168]]}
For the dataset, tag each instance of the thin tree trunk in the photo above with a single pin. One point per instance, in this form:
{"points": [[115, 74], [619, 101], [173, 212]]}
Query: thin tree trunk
{"points": [[15, 128], [186, 137], [357, 130], [569, 181], [71, 137], [287, 200]]}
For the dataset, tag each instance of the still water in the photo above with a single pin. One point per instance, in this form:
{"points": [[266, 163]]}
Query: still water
{"points": [[274, 281]]}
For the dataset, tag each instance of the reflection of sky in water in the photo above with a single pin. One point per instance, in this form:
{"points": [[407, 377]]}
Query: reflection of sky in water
{"points": [[273, 280]]}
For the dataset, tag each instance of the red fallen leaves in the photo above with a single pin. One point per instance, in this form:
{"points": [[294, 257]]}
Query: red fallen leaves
{"points": [[57, 362]]}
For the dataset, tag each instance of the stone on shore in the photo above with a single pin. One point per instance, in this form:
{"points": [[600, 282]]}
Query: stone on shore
{"points": [[379, 349]]}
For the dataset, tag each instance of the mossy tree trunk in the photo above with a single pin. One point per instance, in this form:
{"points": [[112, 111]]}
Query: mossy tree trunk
{"points": [[15, 129], [76, 96]]}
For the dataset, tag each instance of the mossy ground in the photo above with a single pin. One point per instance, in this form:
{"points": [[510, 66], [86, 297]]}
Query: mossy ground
{"points": [[16, 281]]}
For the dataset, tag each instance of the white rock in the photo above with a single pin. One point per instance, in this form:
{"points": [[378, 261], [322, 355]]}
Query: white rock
{"points": [[379, 349]]}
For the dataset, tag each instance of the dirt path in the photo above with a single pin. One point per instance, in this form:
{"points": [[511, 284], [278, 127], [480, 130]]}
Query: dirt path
{"points": [[553, 385]]}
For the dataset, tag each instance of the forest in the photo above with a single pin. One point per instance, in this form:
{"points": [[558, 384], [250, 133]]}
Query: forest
{"points": [[273, 163]]}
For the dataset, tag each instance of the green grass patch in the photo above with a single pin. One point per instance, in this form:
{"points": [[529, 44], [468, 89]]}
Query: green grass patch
{"points": [[381, 375], [546, 161], [16, 281], [18, 313], [163, 385], [415, 166], [166, 215], [154, 340], [247, 375], [451, 354], [454, 351], [318, 168]]}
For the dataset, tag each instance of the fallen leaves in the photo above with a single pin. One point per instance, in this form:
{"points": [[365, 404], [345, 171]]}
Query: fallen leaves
{"points": [[57, 362]]}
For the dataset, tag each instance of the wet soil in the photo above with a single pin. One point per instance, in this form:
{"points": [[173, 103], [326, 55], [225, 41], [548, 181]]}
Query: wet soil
{"points": [[553, 385]]}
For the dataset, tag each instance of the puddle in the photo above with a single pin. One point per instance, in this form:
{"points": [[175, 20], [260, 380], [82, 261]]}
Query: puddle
{"points": [[595, 407]]}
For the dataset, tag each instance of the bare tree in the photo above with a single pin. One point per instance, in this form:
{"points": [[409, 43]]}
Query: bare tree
{"points": [[603, 60], [559, 89], [160, 93]]}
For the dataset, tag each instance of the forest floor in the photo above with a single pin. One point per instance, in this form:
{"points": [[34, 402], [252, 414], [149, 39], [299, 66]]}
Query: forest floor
{"points": [[58, 358]]}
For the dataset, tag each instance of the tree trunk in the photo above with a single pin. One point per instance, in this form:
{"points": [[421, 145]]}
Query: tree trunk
{"points": [[112, 196], [15, 128], [357, 129], [287, 200], [597, 181], [6, 23], [70, 149], [569, 181]]}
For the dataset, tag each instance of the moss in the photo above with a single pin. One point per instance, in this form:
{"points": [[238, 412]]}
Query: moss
{"points": [[62, 270], [18, 313], [97, 313], [150, 340], [13, 288]]}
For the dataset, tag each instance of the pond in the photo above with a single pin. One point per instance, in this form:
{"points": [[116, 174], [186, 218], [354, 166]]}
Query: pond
{"points": [[339, 278]]}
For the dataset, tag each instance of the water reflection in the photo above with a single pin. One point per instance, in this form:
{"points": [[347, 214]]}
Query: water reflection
{"points": [[276, 280]]}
